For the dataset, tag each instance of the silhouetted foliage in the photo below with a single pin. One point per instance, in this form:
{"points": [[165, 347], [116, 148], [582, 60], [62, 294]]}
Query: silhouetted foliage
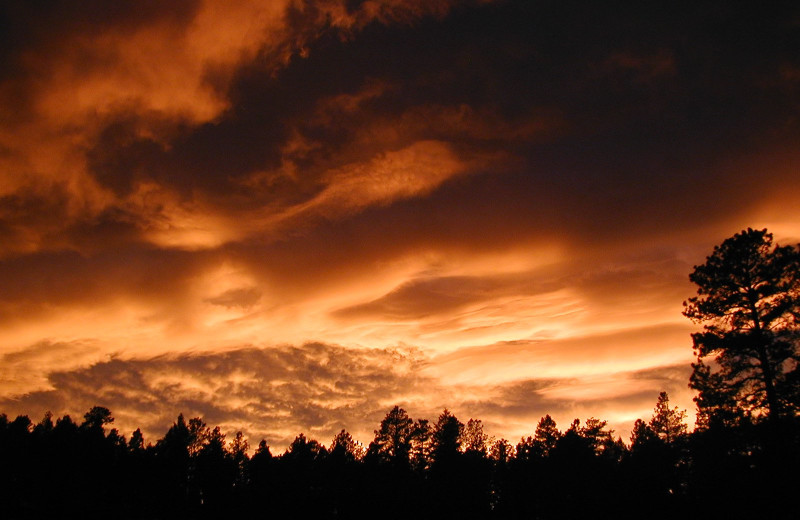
{"points": [[446, 439], [96, 418], [344, 447], [546, 436], [501, 451], [657, 460], [748, 300], [421, 444], [473, 440], [392, 441], [746, 375], [448, 470], [668, 423]]}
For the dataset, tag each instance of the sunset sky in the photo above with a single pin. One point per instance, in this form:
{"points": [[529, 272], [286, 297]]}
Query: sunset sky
{"points": [[288, 216]]}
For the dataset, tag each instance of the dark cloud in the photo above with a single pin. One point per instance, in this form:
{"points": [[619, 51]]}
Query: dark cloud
{"points": [[669, 378], [650, 106], [46, 283], [266, 105], [245, 297], [520, 400], [34, 35], [424, 297]]}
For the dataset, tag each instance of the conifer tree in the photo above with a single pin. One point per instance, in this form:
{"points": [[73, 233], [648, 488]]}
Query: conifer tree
{"points": [[546, 435], [748, 300], [393, 439], [668, 423]]}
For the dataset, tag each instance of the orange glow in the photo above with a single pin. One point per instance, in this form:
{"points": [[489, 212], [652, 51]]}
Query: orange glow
{"points": [[352, 205]]}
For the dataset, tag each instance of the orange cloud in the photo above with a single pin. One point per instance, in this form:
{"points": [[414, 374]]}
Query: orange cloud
{"points": [[412, 171], [318, 389], [274, 392], [180, 181]]}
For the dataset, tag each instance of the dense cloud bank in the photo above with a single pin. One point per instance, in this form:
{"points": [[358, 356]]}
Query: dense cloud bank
{"points": [[318, 389]]}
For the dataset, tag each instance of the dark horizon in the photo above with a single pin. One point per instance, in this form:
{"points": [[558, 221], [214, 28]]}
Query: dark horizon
{"points": [[439, 468]]}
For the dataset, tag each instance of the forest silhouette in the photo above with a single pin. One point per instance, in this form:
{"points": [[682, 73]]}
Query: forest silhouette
{"points": [[739, 462]]}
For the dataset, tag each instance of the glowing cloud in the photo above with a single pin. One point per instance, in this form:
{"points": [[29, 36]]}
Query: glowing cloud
{"points": [[290, 215]]}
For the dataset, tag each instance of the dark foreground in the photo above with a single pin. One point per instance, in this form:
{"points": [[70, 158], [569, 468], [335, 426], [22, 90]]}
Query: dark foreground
{"points": [[410, 470]]}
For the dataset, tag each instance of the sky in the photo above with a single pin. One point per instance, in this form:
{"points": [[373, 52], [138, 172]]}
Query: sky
{"points": [[289, 216]]}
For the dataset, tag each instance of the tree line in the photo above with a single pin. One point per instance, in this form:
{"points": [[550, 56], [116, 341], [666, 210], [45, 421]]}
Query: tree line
{"points": [[412, 467], [740, 461]]}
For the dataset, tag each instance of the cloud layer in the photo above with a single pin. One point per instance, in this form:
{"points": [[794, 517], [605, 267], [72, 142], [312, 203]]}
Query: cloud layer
{"points": [[516, 189], [318, 389]]}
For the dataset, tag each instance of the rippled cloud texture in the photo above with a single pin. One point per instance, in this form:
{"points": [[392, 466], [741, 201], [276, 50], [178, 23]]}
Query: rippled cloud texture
{"points": [[289, 216]]}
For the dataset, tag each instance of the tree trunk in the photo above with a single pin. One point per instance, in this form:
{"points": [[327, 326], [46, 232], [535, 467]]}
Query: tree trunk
{"points": [[766, 368], [769, 383]]}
